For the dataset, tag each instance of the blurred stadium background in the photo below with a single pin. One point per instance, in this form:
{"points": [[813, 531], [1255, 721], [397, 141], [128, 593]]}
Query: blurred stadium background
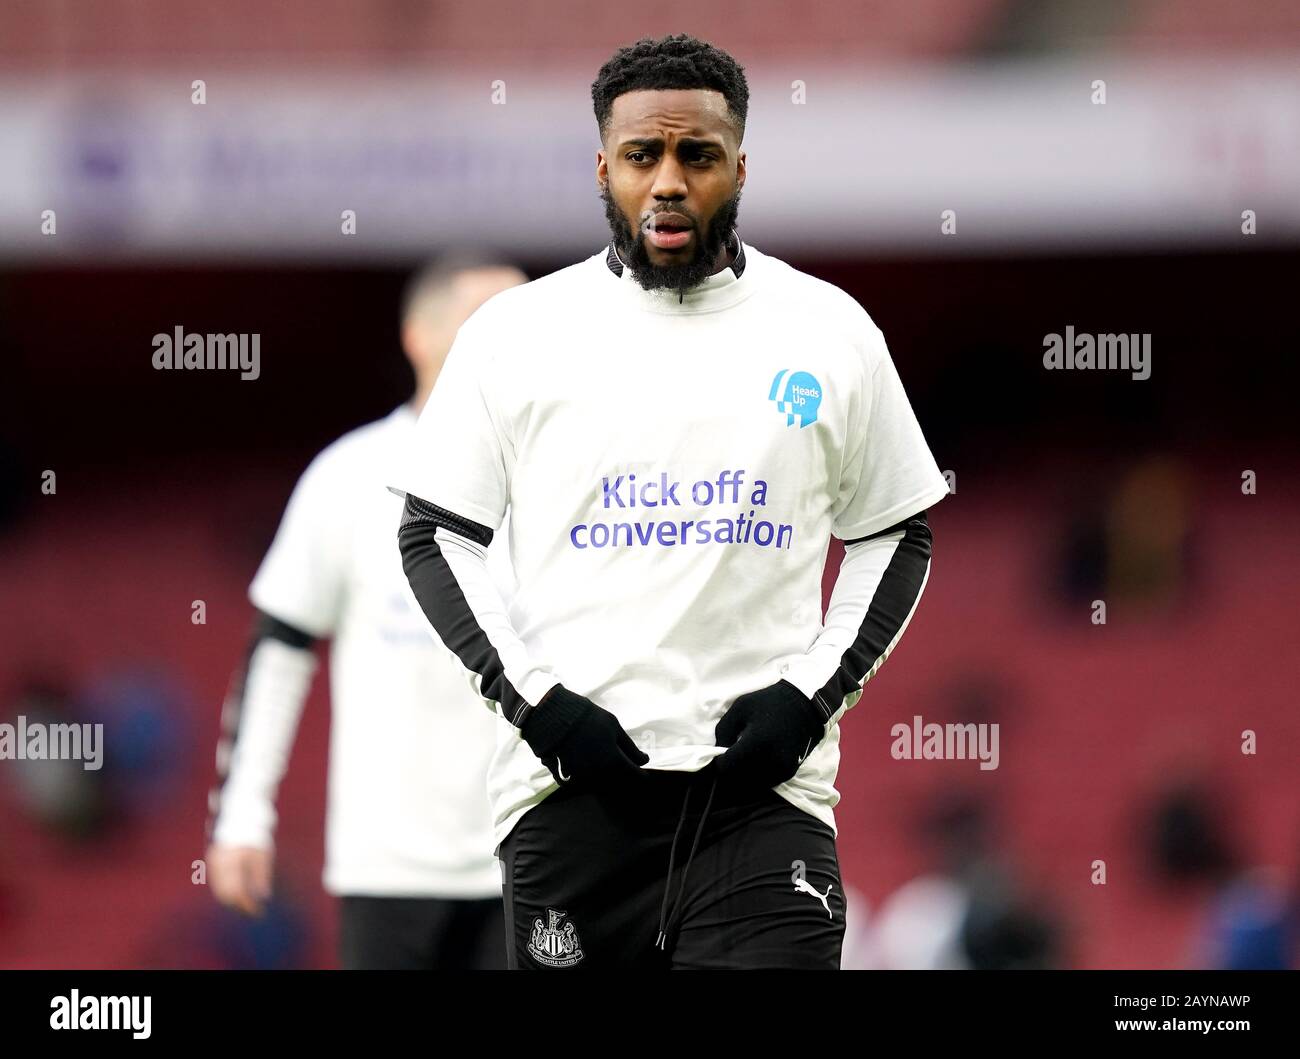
{"points": [[1119, 742]]}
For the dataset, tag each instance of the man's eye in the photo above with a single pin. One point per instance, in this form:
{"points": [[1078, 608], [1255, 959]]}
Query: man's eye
{"points": [[632, 156]]}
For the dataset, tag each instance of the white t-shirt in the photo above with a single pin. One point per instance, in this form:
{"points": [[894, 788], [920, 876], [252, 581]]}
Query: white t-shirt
{"points": [[410, 739], [673, 470]]}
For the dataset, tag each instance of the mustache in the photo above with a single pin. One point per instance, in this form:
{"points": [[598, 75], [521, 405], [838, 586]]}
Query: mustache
{"points": [[648, 218]]}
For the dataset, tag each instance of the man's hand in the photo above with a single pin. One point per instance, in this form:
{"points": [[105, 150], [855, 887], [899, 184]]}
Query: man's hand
{"points": [[770, 732], [580, 742], [240, 876]]}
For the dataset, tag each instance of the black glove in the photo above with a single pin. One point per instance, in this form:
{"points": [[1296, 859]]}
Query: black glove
{"points": [[770, 732], [579, 741]]}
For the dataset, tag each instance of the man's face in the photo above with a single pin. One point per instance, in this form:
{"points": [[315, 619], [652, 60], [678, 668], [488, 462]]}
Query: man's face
{"points": [[430, 328], [670, 175]]}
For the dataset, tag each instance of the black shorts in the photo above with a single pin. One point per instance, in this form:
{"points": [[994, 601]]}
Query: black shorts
{"points": [[421, 934], [585, 874]]}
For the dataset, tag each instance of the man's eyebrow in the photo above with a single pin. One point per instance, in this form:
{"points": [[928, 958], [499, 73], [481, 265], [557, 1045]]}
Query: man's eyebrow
{"points": [[657, 142]]}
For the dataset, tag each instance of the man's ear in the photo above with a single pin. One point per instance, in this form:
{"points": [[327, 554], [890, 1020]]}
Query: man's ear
{"points": [[411, 342]]}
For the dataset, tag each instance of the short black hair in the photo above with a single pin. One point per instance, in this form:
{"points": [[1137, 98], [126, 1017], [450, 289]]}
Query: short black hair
{"points": [[432, 282], [678, 61]]}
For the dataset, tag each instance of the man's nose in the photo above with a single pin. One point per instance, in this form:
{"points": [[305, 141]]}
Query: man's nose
{"points": [[670, 179]]}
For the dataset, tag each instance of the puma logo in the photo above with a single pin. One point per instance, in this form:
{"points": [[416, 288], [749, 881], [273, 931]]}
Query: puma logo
{"points": [[802, 885]]}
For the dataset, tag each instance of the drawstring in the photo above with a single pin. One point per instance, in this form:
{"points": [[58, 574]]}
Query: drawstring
{"points": [[672, 853], [665, 921]]}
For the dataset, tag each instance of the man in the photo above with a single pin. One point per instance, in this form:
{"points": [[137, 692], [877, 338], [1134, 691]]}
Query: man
{"points": [[409, 846], [676, 425]]}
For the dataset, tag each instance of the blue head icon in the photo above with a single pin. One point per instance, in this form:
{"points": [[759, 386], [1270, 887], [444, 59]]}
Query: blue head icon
{"points": [[798, 394]]}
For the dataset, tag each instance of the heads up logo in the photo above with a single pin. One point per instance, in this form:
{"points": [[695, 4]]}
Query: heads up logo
{"points": [[797, 394]]}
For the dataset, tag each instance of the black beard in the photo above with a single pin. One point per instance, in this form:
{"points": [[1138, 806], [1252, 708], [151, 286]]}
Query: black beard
{"points": [[679, 277]]}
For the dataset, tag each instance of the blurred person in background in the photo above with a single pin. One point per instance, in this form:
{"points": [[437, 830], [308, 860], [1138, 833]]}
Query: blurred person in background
{"points": [[1194, 839], [969, 912], [66, 799], [408, 829]]}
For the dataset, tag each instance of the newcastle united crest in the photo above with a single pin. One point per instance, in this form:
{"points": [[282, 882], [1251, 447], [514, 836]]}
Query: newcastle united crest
{"points": [[555, 943]]}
